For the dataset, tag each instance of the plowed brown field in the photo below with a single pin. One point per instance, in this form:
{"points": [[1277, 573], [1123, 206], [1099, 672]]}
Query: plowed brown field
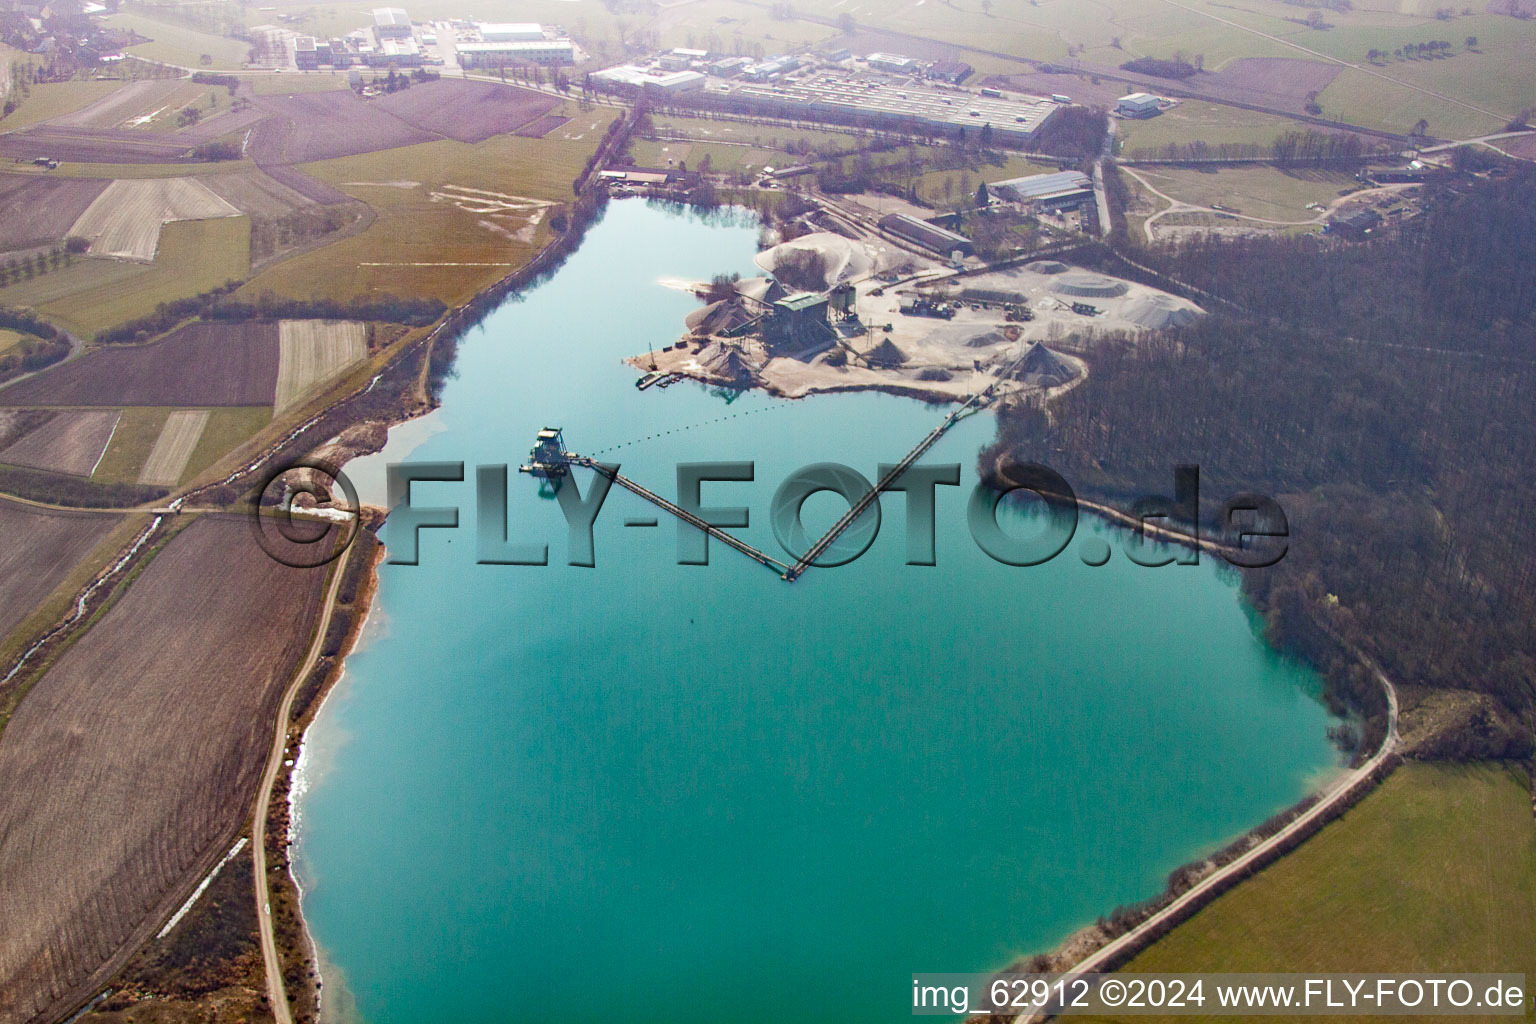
{"points": [[203, 364], [131, 764], [70, 442], [34, 209], [467, 111], [38, 548]]}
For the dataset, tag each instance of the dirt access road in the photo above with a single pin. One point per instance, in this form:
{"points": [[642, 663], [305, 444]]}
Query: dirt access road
{"points": [[1180, 206], [277, 994], [1342, 788]]}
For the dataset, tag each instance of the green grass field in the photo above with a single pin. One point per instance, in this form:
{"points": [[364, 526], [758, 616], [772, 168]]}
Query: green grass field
{"points": [[422, 233], [706, 129], [734, 146], [724, 158], [1198, 121], [226, 429], [206, 99], [725, 26], [137, 430], [1499, 77], [194, 256], [288, 82], [176, 44], [140, 427], [82, 170], [8, 341], [87, 273], [1364, 99], [1435, 871], [1266, 192], [55, 99]]}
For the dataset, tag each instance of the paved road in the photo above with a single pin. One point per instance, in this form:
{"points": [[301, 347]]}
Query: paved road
{"points": [[1481, 140], [1100, 196]]}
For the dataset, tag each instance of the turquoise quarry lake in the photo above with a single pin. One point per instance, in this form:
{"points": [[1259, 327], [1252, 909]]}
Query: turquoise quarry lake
{"points": [[698, 793]]}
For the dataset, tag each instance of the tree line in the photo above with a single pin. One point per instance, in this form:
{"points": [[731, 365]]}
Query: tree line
{"points": [[1381, 393], [1292, 149], [215, 304], [41, 344]]}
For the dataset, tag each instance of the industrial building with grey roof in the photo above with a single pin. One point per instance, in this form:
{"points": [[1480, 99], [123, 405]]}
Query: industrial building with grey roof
{"points": [[845, 94]]}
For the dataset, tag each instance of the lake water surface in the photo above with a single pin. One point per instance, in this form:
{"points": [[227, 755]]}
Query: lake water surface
{"points": [[697, 793]]}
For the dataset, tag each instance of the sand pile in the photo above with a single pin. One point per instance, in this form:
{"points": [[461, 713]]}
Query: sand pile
{"points": [[841, 259], [1044, 368], [761, 289], [1047, 267], [718, 317], [986, 339], [1086, 285], [726, 362], [885, 354], [1159, 310]]}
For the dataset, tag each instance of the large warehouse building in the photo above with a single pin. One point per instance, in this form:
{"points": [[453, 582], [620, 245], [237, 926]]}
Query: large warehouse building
{"points": [[391, 23], [520, 32], [551, 52], [845, 98], [929, 236], [633, 78], [1059, 191]]}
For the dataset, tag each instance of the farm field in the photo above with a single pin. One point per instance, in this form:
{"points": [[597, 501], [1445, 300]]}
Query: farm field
{"points": [[1197, 120], [467, 111], [87, 145], [288, 83], [173, 448], [55, 99], [84, 274], [202, 364], [770, 137], [70, 442], [1235, 42], [176, 685], [1364, 99], [194, 256], [8, 341], [1284, 82], [724, 157], [1265, 192], [427, 239], [138, 429], [164, 114], [110, 171], [1434, 871], [324, 125], [542, 126], [36, 210], [254, 192], [125, 220], [122, 105], [227, 429], [176, 44], [727, 27], [312, 353], [38, 548]]}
